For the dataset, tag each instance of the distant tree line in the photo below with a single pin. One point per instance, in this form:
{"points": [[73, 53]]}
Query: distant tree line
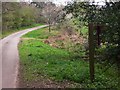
{"points": [[16, 15]]}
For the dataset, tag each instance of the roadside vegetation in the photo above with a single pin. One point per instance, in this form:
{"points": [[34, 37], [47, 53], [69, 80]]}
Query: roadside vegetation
{"points": [[6, 33], [41, 59]]}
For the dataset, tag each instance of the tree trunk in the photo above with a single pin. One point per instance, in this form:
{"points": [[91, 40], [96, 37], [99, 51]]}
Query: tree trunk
{"points": [[49, 28], [49, 24]]}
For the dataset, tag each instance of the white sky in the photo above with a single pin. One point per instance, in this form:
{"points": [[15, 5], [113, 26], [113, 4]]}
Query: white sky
{"points": [[64, 2]]}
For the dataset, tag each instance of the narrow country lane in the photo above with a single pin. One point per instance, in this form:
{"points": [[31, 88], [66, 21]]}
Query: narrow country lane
{"points": [[9, 58]]}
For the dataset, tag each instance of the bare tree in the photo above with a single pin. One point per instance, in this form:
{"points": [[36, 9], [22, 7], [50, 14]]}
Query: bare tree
{"points": [[51, 12]]}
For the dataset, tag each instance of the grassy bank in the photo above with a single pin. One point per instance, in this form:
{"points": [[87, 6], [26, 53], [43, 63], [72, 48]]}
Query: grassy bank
{"points": [[39, 59], [6, 33]]}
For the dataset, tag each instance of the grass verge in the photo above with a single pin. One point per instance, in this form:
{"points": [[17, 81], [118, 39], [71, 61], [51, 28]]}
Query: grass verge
{"points": [[39, 59]]}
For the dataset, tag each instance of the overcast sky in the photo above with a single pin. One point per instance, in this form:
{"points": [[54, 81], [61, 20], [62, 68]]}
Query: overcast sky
{"points": [[64, 2]]}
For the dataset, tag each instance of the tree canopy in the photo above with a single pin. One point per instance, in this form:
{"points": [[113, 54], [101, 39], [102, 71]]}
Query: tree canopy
{"points": [[107, 15]]}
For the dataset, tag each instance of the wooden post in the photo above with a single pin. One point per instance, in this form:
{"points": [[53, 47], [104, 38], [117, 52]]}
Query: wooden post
{"points": [[98, 34], [91, 51]]}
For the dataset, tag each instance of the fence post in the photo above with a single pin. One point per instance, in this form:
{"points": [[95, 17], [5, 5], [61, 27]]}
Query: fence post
{"points": [[91, 51]]}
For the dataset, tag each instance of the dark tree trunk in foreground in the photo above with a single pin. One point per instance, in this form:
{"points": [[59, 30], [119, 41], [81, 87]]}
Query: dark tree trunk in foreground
{"points": [[91, 52]]}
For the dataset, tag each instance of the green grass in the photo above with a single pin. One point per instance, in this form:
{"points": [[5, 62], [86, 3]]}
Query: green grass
{"points": [[6, 33], [43, 59], [40, 34], [39, 59]]}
